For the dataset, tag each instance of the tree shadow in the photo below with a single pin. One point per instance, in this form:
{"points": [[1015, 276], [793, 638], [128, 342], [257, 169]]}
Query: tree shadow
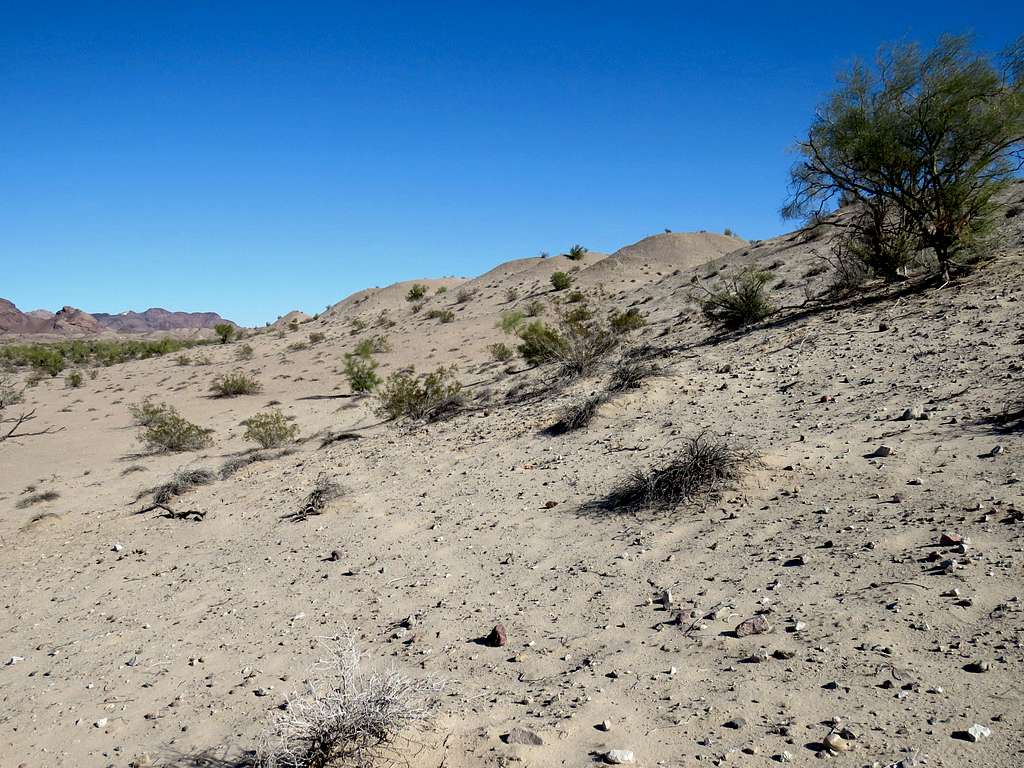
{"points": [[209, 758]]}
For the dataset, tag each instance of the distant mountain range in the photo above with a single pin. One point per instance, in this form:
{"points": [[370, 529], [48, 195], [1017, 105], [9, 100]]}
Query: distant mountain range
{"points": [[70, 321]]}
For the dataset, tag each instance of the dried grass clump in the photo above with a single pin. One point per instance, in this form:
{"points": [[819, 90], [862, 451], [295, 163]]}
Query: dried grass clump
{"points": [[325, 490], [181, 482], [629, 373], [234, 384], [577, 414], [348, 715], [37, 498], [740, 301], [699, 472]]}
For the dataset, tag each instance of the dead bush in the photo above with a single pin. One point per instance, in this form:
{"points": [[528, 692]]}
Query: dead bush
{"points": [[629, 373], [577, 414], [324, 492], [699, 472], [181, 482], [37, 498], [348, 715]]}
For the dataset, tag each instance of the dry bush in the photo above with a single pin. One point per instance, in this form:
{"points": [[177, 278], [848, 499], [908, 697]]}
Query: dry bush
{"points": [[464, 295], [740, 301], [624, 322], [182, 481], [236, 463], [234, 384], [699, 472], [348, 715], [426, 398], [630, 373], [324, 492], [270, 429], [577, 414], [172, 432], [37, 498]]}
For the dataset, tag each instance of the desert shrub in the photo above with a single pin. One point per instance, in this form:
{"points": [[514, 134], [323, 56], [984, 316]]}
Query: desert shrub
{"points": [[236, 463], [183, 359], [172, 432], [94, 374], [534, 308], [224, 331], [53, 357], [699, 472], [629, 373], [374, 345], [581, 313], [146, 412], [316, 337], [428, 397], [560, 281], [441, 290], [510, 321], [73, 380], [36, 498], [361, 372], [576, 297], [202, 359], [929, 137], [577, 252], [417, 306], [577, 414], [624, 322], [324, 492], [501, 352], [244, 352], [539, 342], [181, 482], [511, 294], [444, 315], [464, 295], [358, 326], [584, 346], [348, 715], [740, 301], [270, 429], [10, 394], [297, 346], [416, 292], [234, 384]]}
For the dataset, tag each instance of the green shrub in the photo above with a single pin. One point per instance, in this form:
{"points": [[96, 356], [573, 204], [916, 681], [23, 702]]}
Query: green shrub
{"points": [[416, 293], [172, 432], [560, 281], [234, 384], [624, 322], [534, 308], [577, 252], [501, 352], [575, 297], [429, 397], [73, 380], [740, 301], [444, 315], [510, 321], [539, 342], [360, 369], [270, 429], [224, 331], [441, 289], [374, 345], [147, 412]]}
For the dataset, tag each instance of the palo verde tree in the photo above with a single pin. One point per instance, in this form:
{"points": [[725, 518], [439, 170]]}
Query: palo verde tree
{"points": [[921, 143]]}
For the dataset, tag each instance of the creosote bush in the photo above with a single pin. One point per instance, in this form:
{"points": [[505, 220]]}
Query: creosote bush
{"points": [[416, 292], [740, 301], [577, 252], [560, 281], [224, 331], [244, 352], [427, 398], [147, 412], [534, 308], [270, 429], [348, 715], [698, 473], [464, 295], [234, 384], [172, 432], [624, 322], [501, 352], [444, 315], [73, 380], [361, 371]]}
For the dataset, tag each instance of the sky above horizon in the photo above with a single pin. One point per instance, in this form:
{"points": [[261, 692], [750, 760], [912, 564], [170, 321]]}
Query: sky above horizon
{"points": [[254, 158]]}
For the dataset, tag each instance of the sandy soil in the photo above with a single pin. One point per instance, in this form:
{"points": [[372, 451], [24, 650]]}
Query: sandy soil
{"points": [[155, 653]]}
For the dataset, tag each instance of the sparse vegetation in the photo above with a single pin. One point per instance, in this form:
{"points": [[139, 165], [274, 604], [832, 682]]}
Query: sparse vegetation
{"points": [[740, 301], [629, 373], [244, 352], [316, 337], [73, 380], [511, 294], [36, 498], [560, 281], [324, 492], [172, 432], [53, 357], [225, 332], [534, 308], [234, 384], [347, 715], [624, 322], [501, 352], [416, 293], [270, 429], [427, 398], [444, 315], [699, 472], [12, 427], [361, 372], [510, 321], [920, 144], [577, 252], [181, 482], [464, 295], [147, 412], [577, 414]]}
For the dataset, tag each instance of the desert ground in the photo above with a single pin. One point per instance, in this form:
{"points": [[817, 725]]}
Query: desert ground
{"points": [[890, 584]]}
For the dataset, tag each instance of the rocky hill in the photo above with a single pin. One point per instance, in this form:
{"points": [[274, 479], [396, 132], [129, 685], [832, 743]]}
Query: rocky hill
{"points": [[70, 321]]}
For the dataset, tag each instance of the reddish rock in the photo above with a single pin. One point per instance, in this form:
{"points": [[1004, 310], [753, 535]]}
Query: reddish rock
{"points": [[757, 625], [498, 637]]}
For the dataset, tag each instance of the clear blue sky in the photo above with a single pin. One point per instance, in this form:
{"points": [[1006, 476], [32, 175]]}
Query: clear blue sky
{"points": [[252, 158]]}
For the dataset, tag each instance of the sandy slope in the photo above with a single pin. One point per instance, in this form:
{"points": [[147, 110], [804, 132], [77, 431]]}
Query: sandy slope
{"points": [[481, 519]]}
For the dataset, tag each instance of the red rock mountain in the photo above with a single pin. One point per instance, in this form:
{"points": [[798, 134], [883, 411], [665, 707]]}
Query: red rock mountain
{"points": [[74, 322]]}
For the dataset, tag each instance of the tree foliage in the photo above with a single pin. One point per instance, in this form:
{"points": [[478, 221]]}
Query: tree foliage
{"points": [[921, 144]]}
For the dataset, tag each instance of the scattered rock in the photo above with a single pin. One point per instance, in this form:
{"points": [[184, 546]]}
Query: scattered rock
{"points": [[978, 667], [836, 743], [756, 625], [915, 413], [101, 723], [619, 756], [736, 723], [524, 736], [497, 638], [881, 452], [977, 732]]}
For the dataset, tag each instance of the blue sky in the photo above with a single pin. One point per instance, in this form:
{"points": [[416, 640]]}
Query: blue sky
{"points": [[252, 158]]}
